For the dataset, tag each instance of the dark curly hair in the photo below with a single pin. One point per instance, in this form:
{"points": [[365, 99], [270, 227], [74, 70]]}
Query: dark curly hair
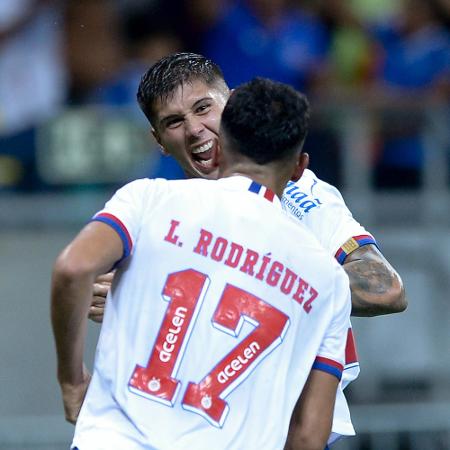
{"points": [[161, 80], [266, 120]]}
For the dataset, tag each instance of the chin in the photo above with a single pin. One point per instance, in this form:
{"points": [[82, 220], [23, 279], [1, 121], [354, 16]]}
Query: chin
{"points": [[212, 175], [209, 173]]}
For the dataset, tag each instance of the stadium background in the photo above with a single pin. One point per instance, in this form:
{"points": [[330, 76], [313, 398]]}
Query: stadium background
{"points": [[377, 75]]}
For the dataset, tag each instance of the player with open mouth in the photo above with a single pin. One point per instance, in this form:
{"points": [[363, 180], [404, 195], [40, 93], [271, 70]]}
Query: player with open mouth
{"points": [[186, 125]]}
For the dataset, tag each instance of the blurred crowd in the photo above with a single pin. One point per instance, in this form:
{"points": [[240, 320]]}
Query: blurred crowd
{"points": [[389, 59]]}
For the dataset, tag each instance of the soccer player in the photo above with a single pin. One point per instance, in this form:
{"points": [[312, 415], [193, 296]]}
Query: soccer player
{"points": [[187, 127], [214, 310]]}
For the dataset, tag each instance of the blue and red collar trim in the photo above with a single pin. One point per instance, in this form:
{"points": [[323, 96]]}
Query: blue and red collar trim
{"points": [[262, 191]]}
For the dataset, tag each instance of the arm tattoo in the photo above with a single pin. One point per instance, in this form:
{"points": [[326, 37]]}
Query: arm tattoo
{"points": [[375, 286]]}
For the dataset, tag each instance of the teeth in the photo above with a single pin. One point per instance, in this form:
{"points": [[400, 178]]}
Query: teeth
{"points": [[207, 163], [203, 148]]}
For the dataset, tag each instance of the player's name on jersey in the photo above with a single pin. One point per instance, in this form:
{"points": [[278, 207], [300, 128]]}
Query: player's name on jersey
{"points": [[250, 262]]}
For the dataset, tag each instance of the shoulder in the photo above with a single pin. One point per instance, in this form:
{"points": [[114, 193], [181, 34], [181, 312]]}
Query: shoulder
{"points": [[187, 191], [161, 184], [312, 185], [140, 184], [308, 194]]}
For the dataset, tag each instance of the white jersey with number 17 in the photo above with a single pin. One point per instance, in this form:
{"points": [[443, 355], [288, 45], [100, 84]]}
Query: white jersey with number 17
{"points": [[215, 319]]}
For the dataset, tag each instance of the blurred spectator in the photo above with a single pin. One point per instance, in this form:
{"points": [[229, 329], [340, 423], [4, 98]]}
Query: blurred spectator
{"points": [[414, 75], [351, 56], [196, 18], [279, 39], [32, 70], [94, 47], [141, 36], [266, 38], [374, 10], [146, 35], [32, 82], [398, 70]]}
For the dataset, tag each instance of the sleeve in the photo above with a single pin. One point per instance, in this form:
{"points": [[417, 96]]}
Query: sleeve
{"points": [[327, 216], [331, 356], [123, 212]]}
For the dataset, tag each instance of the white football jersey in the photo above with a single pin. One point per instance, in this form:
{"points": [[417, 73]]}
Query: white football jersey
{"points": [[220, 309], [320, 207]]}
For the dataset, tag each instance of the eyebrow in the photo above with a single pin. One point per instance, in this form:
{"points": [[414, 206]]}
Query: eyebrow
{"points": [[166, 119]]}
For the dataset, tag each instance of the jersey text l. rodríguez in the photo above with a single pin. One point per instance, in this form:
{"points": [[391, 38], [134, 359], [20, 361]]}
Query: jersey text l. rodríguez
{"points": [[220, 308]]}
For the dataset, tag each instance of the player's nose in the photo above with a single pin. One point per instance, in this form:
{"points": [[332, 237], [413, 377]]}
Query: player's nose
{"points": [[194, 127]]}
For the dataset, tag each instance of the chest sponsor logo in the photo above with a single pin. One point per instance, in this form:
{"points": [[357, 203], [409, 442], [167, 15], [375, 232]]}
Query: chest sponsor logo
{"points": [[297, 202]]}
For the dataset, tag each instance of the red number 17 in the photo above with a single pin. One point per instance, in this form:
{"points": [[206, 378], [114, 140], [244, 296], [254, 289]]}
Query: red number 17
{"points": [[185, 292]]}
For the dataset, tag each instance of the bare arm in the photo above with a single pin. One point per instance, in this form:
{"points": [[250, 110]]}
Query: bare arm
{"points": [[92, 252], [375, 285], [311, 421]]}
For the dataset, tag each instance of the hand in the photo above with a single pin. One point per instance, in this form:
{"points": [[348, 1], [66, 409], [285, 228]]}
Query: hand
{"points": [[73, 396], [102, 286]]}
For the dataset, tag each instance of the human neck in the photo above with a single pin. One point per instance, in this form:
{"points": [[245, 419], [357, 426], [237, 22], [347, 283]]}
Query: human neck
{"points": [[263, 175]]}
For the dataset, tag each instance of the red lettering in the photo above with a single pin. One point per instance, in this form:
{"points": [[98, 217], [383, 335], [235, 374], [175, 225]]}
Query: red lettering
{"points": [[274, 274], [157, 380], [207, 396], [299, 295], [171, 237], [288, 282], [235, 255], [250, 261], [219, 249], [307, 306], [265, 262], [203, 242]]}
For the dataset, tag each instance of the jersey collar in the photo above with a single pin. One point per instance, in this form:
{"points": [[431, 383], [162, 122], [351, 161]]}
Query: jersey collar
{"points": [[242, 182]]}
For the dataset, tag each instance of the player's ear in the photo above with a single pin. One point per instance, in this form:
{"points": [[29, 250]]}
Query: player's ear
{"points": [[301, 165], [158, 140]]}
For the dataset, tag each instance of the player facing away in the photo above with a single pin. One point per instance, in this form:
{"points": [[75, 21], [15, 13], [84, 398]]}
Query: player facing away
{"points": [[183, 96], [214, 310]]}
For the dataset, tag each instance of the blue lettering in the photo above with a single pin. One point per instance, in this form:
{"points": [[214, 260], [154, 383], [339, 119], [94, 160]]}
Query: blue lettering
{"points": [[298, 196], [294, 188], [308, 205]]}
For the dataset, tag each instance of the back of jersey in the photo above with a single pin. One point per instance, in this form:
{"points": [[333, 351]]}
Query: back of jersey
{"points": [[215, 319]]}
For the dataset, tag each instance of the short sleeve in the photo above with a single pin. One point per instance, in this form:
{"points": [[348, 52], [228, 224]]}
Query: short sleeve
{"points": [[123, 212], [331, 356], [321, 208]]}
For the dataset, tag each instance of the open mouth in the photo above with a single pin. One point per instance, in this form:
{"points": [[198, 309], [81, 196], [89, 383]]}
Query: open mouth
{"points": [[202, 156]]}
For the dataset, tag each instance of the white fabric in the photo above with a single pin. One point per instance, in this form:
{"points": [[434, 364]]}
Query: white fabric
{"points": [[320, 207], [262, 398]]}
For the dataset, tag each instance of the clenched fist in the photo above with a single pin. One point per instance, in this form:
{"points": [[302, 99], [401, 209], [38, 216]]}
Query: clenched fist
{"points": [[101, 287]]}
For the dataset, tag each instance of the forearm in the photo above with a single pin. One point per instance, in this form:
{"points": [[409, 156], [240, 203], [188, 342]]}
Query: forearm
{"points": [[312, 417], [70, 302], [376, 288], [92, 252]]}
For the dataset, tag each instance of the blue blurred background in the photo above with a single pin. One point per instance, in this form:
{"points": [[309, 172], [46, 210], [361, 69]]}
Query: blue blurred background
{"points": [[377, 73]]}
